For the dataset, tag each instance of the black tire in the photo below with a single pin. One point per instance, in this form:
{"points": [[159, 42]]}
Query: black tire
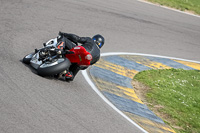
{"points": [[28, 58], [53, 69]]}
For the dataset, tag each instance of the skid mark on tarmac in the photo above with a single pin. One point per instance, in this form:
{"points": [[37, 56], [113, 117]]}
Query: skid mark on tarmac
{"points": [[113, 75]]}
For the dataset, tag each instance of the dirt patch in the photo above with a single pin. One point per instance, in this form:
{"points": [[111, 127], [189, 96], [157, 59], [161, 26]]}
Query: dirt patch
{"points": [[141, 90]]}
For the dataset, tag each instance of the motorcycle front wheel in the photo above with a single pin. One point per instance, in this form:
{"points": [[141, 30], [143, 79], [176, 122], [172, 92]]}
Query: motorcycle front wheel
{"points": [[52, 68], [28, 58]]}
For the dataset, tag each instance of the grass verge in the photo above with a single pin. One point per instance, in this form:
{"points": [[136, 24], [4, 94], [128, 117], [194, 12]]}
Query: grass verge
{"points": [[177, 94], [183, 5]]}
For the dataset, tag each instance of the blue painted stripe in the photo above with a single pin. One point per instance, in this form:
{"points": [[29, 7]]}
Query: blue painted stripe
{"points": [[170, 63], [132, 107], [111, 77], [126, 63]]}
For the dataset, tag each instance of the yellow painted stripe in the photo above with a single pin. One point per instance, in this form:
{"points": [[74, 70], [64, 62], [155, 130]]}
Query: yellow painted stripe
{"points": [[124, 92], [116, 68], [131, 93], [149, 125], [146, 62], [190, 64]]}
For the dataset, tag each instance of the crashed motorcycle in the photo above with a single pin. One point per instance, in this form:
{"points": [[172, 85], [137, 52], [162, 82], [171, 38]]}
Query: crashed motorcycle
{"points": [[53, 59]]}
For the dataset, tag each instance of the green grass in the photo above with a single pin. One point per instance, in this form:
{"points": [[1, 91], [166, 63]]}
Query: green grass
{"points": [[177, 92], [183, 5]]}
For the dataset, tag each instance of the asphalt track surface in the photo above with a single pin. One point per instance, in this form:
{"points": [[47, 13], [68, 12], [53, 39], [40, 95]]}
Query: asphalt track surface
{"points": [[30, 103]]}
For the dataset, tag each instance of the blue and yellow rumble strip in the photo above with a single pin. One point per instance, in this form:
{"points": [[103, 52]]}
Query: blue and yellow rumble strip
{"points": [[113, 76]]}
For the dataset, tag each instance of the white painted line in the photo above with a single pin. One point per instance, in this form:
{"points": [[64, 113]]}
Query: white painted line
{"points": [[125, 53], [85, 74], [176, 10]]}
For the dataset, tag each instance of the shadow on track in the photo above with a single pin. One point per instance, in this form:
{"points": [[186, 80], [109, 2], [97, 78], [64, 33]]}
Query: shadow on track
{"points": [[54, 77]]}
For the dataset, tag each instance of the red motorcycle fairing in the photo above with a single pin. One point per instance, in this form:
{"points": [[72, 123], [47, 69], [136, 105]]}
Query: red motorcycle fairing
{"points": [[80, 56]]}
